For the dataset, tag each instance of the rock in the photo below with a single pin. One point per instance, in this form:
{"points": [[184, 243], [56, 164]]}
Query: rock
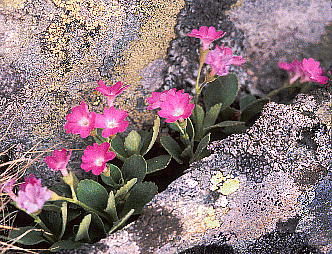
{"points": [[282, 204], [53, 52]]}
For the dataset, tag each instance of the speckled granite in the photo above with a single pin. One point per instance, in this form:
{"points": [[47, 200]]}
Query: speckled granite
{"points": [[283, 203]]}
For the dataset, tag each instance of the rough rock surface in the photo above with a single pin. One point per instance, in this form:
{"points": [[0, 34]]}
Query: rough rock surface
{"points": [[53, 52], [282, 205]]}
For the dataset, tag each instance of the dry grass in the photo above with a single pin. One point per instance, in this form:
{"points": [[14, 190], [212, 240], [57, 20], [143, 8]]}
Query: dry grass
{"points": [[14, 169]]}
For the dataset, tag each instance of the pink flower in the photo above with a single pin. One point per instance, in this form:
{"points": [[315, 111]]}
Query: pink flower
{"points": [[207, 35], [307, 70], [95, 158], [112, 121], [31, 196], [158, 97], [59, 160], [221, 58], [111, 91], [174, 105], [313, 71], [80, 121], [294, 69]]}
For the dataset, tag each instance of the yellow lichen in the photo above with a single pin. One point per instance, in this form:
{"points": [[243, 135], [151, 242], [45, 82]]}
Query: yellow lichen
{"points": [[209, 217], [224, 184], [86, 16], [62, 70], [155, 35], [229, 186], [216, 180]]}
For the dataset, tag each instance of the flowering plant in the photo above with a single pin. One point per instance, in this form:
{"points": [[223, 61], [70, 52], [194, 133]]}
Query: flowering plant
{"points": [[87, 210], [303, 76]]}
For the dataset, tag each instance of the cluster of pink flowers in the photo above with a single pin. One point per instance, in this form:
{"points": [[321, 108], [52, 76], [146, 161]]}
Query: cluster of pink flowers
{"points": [[81, 121], [31, 196], [219, 59], [308, 70], [174, 105]]}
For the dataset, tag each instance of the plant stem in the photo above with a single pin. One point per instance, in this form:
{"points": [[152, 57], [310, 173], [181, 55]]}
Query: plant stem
{"points": [[202, 57], [276, 91], [180, 128], [73, 193]]}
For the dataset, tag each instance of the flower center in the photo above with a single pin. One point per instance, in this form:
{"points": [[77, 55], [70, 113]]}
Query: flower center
{"points": [[178, 112], [84, 122], [111, 124], [99, 161]]}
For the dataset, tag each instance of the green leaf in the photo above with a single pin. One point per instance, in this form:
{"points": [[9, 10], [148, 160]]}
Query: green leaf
{"points": [[246, 101], [108, 180], [234, 129], [229, 113], [121, 222], [113, 177], [253, 109], [201, 146], [172, 147], [65, 245], [139, 196], [27, 235], [155, 131], [146, 139], [73, 214], [92, 194], [125, 189], [187, 152], [198, 119], [134, 167], [225, 124], [53, 221], [157, 163], [133, 143], [52, 207], [223, 90], [287, 93], [97, 228], [203, 154], [212, 115], [61, 189], [111, 208], [118, 147], [83, 229], [64, 213]]}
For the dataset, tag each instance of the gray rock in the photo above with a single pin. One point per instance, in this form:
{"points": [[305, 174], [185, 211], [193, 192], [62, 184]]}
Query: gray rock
{"points": [[282, 205], [53, 52]]}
